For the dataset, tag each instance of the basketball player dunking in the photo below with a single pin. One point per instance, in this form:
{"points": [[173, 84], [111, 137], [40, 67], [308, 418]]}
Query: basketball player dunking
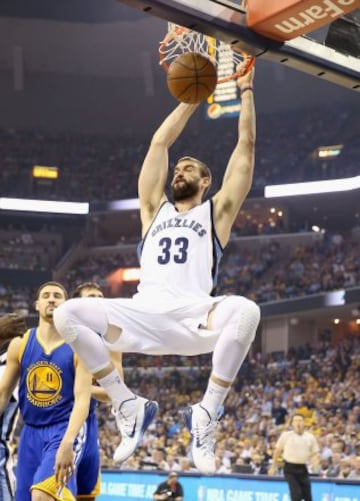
{"points": [[173, 311]]}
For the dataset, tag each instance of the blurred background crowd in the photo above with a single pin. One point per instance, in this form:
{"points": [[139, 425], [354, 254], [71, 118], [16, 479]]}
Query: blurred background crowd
{"points": [[273, 256]]}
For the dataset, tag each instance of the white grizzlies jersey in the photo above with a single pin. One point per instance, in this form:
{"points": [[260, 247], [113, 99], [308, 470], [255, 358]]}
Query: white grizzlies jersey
{"points": [[180, 254]]}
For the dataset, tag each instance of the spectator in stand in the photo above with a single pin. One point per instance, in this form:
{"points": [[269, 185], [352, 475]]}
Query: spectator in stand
{"points": [[278, 412], [355, 472], [334, 467], [345, 468], [171, 489]]}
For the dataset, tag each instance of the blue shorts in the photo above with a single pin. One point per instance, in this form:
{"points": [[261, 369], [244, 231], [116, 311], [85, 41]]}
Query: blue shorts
{"points": [[88, 472], [36, 460]]}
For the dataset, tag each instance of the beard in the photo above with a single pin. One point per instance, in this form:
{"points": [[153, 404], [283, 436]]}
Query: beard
{"points": [[184, 189]]}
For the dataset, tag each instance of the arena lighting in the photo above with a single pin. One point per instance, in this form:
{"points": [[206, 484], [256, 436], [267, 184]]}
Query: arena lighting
{"points": [[335, 298], [312, 187], [129, 204], [45, 172], [329, 151], [24, 204], [131, 274]]}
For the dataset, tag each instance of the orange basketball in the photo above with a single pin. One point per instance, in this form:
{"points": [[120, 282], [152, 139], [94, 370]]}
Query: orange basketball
{"points": [[191, 77]]}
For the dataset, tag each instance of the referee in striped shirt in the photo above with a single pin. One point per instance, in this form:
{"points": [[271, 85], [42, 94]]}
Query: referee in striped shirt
{"points": [[298, 448]]}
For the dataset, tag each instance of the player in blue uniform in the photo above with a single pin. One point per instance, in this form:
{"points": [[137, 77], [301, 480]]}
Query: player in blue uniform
{"points": [[88, 485], [54, 399], [11, 325], [174, 311]]}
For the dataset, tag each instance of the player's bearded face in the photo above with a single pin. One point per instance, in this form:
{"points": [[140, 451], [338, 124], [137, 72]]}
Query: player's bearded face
{"points": [[182, 189]]}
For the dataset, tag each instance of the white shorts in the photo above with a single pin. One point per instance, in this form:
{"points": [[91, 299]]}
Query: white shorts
{"points": [[152, 328]]}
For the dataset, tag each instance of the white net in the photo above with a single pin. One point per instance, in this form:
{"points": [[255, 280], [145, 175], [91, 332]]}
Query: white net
{"points": [[179, 40]]}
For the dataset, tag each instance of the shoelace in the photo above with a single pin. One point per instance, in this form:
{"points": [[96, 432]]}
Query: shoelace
{"points": [[124, 424], [205, 436]]}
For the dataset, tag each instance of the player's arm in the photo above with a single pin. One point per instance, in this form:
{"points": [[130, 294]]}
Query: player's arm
{"points": [[98, 392], [64, 462], [11, 326], [154, 171], [239, 171], [11, 374]]}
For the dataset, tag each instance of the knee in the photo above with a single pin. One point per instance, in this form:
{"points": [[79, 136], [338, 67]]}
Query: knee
{"points": [[246, 315], [65, 317], [239, 306], [250, 312]]}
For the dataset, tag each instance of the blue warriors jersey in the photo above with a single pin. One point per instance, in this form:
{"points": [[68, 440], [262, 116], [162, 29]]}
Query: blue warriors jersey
{"points": [[46, 388], [180, 253], [46, 397]]}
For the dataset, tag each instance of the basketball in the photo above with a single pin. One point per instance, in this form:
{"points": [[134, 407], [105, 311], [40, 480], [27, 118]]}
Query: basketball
{"points": [[191, 77]]}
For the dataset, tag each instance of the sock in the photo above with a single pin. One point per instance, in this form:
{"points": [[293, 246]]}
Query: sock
{"points": [[214, 397], [116, 388]]}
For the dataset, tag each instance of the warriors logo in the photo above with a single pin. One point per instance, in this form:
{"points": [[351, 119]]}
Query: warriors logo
{"points": [[44, 383]]}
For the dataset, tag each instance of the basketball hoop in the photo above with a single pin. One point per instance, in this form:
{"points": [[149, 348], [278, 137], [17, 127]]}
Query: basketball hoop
{"points": [[225, 57]]}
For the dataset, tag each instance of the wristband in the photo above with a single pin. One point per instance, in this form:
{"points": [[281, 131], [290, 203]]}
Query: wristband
{"points": [[244, 89]]}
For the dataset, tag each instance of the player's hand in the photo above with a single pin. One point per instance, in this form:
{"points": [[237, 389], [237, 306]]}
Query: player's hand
{"points": [[11, 325], [64, 463], [247, 79]]}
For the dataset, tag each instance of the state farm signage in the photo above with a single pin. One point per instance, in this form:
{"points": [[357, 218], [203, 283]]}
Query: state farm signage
{"points": [[287, 19]]}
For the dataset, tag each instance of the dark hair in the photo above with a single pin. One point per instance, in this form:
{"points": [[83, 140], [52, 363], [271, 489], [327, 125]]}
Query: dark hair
{"points": [[85, 285], [204, 169], [55, 284]]}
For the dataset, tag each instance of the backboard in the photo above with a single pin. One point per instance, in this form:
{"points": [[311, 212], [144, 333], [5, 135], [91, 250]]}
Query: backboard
{"points": [[226, 20]]}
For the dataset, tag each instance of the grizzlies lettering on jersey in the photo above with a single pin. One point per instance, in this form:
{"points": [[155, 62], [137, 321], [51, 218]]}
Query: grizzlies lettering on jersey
{"points": [[46, 393], [173, 240]]}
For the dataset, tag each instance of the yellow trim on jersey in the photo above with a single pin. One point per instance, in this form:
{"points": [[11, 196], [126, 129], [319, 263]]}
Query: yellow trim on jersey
{"points": [[23, 344], [51, 487], [47, 351]]}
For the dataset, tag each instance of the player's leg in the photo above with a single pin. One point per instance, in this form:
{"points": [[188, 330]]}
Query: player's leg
{"points": [[236, 319], [44, 496], [44, 486], [7, 477], [29, 458], [83, 322], [88, 472]]}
